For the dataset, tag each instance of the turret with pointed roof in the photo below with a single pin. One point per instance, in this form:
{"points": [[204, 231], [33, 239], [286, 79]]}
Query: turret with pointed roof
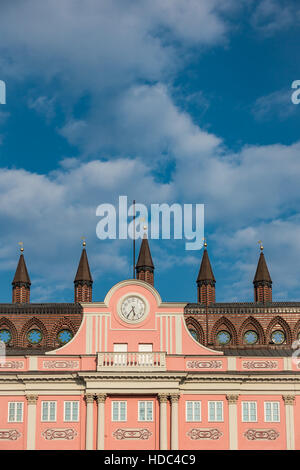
{"points": [[262, 281], [144, 266], [21, 282], [206, 280], [83, 282]]}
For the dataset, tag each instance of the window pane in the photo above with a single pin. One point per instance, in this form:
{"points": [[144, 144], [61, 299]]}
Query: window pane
{"points": [[52, 410], [189, 411], [122, 411], [142, 411], [11, 412], [212, 411], [275, 411], [149, 411], [196, 411], [75, 411], [19, 412], [67, 411], [45, 411], [219, 411], [115, 405], [253, 411], [245, 411], [268, 411]]}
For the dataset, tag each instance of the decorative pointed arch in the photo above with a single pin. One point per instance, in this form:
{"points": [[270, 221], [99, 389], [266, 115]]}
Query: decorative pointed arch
{"points": [[224, 323], [30, 324], [296, 331], [283, 324], [192, 323], [5, 323], [252, 323]]}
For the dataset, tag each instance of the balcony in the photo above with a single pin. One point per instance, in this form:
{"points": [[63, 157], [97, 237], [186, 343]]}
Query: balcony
{"points": [[131, 361]]}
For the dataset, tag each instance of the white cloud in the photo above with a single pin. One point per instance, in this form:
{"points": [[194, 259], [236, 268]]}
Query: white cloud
{"points": [[271, 16], [277, 104]]}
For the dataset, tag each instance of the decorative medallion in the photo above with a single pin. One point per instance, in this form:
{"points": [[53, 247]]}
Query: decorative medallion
{"points": [[204, 433], [250, 337], [5, 335], [12, 365], [64, 336], [261, 434], [63, 434], [224, 337], [278, 337], [260, 365], [9, 434], [204, 364], [132, 434], [34, 336], [60, 364]]}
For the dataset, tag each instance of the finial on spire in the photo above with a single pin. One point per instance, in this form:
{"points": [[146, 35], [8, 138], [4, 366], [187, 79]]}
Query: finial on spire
{"points": [[205, 243], [260, 245], [21, 246], [83, 241]]}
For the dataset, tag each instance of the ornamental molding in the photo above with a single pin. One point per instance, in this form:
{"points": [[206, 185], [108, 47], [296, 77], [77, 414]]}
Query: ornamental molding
{"points": [[260, 364], [289, 399], [132, 434], [101, 397], [32, 399], [163, 397], [204, 433], [204, 364], [89, 398], [232, 399], [9, 434], [261, 434], [61, 364], [174, 397], [59, 434], [12, 365]]}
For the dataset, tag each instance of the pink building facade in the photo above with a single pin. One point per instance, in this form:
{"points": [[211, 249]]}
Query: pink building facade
{"points": [[133, 377]]}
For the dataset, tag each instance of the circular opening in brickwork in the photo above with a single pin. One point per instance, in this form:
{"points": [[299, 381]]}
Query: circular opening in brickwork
{"points": [[250, 337], [34, 336], [278, 337], [64, 336], [5, 335], [223, 337], [194, 334]]}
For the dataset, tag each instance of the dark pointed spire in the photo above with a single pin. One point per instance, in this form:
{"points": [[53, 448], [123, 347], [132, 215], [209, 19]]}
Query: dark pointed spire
{"points": [[206, 280], [21, 282], [262, 280], [83, 280], [144, 266]]}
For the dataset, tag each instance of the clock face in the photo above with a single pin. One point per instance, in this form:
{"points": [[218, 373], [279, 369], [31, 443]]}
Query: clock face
{"points": [[133, 309]]}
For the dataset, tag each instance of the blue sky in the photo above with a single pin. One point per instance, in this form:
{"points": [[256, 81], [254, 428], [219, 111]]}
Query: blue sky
{"points": [[176, 101]]}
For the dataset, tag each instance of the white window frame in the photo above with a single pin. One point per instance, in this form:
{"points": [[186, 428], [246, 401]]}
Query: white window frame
{"points": [[215, 411], [72, 420], [119, 413], [272, 420], [193, 420], [249, 420], [14, 420], [152, 406], [48, 420]]}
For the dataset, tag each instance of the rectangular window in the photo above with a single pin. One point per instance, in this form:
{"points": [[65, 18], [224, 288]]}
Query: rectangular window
{"points": [[193, 410], [215, 411], [119, 411], [15, 412], [120, 359], [71, 411], [249, 413], [49, 411], [272, 412], [145, 411]]}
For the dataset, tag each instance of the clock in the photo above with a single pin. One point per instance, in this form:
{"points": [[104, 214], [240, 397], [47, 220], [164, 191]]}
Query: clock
{"points": [[133, 309]]}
